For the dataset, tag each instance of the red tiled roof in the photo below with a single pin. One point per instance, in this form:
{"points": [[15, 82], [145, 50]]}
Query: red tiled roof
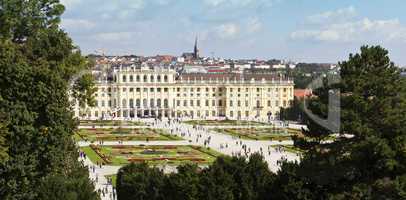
{"points": [[230, 76], [301, 93]]}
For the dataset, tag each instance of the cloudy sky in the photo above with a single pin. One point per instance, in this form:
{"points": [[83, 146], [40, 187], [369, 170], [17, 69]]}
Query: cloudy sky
{"points": [[299, 30]]}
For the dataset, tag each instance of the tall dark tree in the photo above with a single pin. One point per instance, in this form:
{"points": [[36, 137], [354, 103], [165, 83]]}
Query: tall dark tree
{"points": [[371, 162], [37, 61], [183, 184], [140, 182]]}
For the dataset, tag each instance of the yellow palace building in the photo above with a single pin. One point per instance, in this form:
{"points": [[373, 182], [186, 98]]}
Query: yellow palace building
{"points": [[130, 92]]}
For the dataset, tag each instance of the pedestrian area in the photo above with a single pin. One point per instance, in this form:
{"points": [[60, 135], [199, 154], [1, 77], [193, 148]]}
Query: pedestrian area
{"points": [[193, 136]]}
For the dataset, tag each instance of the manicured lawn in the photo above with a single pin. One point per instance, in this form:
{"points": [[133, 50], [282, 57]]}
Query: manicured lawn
{"points": [[275, 134], [225, 123], [258, 133], [110, 123], [153, 154], [92, 155], [140, 134], [289, 148]]}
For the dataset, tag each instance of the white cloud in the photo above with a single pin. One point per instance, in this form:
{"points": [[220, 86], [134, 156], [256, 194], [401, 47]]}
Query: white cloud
{"points": [[333, 16], [227, 31], [69, 3], [365, 30], [115, 36], [254, 25], [240, 3], [77, 24], [136, 4]]}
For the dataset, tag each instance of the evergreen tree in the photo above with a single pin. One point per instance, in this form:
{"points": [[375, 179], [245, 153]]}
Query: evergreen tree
{"points": [[370, 164]]}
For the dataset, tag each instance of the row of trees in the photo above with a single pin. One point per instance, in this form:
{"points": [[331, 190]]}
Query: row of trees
{"points": [[226, 178], [371, 164], [38, 158]]}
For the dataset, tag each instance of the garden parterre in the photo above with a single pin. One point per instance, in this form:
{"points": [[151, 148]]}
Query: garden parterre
{"points": [[277, 134], [152, 154], [124, 134]]}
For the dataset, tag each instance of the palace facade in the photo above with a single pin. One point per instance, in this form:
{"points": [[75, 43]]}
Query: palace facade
{"points": [[129, 92]]}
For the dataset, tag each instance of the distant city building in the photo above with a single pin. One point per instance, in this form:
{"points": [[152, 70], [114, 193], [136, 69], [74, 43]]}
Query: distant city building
{"points": [[192, 56]]}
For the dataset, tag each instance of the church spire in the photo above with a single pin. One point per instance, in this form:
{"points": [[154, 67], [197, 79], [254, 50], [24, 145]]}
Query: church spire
{"points": [[196, 50]]}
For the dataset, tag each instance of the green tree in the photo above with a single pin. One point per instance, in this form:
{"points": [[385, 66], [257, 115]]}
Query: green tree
{"points": [[183, 184], [37, 60], [140, 182], [84, 89], [370, 164], [4, 134]]}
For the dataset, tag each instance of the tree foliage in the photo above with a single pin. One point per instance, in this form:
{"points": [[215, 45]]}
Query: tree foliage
{"points": [[37, 60], [370, 164], [227, 178]]}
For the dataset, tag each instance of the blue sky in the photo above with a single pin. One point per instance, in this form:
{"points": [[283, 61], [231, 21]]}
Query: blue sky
{"points": [[299, 30]]}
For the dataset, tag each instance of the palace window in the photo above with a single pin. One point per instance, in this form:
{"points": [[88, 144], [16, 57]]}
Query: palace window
{"points": [[124, 78], [131, 103], [166, 104]]}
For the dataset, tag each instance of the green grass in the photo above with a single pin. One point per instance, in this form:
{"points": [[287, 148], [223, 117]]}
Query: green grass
{"points": [[137, 134], [154, 154], [289, 148], [274, 134], [77, 137], [257, 133], [111, 123], [91, 154], [225, 123]]}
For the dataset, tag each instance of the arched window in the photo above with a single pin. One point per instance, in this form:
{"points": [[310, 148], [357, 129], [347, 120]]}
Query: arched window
{"points": [[138, 103], [137, 78], [165, 78], [124, 103], [131, 78], [158, 103], [158, 78], [131, 103], [151, 78], [165, 103], [151, 103], [145, 78], [144, 103], [124, 78]]}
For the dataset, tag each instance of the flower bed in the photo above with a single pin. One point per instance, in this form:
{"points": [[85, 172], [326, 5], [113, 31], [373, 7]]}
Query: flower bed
{"points": [[154, 154]]}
